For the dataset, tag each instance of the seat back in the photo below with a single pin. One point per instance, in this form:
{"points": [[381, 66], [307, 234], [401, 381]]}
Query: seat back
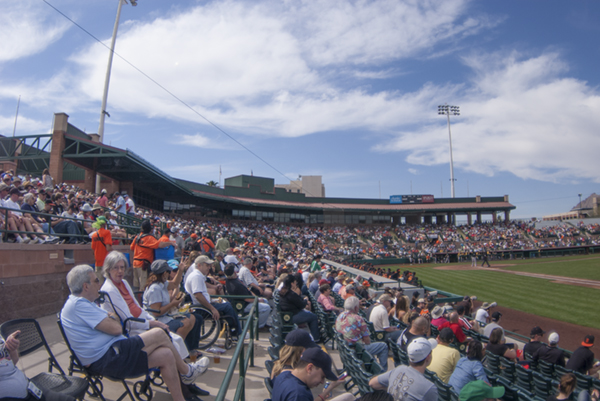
{"points": [[545, 367], [31, 339], [542, 385], [524, 377], [493, 362], [507, 369]]}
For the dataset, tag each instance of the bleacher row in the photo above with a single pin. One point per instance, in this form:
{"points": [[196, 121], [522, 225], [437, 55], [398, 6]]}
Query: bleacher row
{"points": [[522, 382]]}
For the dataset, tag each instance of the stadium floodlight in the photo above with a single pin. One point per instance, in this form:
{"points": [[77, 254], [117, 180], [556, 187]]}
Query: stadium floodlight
{"points": [[448, 111], [103, 112]]}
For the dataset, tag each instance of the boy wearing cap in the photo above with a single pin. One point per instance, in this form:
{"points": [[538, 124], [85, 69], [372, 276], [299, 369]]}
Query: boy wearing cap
{"points": [[535, 341], [310, 371], [550, 353], [582, 359], [101, 244], [408, 383]]}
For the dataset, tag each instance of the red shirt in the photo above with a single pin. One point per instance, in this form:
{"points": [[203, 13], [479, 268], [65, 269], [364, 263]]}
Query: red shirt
{"points": [[456, 329]]}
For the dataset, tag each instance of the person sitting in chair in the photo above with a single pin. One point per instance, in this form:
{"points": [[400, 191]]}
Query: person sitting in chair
{"points": [[195, 285], [13, 383], [96, 338]]}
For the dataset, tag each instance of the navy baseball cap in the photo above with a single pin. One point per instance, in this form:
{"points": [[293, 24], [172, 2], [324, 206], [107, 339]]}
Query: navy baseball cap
{"points": [[300, 338], [320, 359]]}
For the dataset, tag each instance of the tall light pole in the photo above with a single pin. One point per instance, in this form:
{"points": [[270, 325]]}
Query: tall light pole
{"points": [[447, 111], [103, 111]]}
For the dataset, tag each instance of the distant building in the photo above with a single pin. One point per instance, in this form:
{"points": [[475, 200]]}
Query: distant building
{"points": [[309, 185], [586, 208]]}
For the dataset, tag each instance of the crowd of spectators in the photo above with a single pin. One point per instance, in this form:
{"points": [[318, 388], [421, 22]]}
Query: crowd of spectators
{"points": [[74, 210]]}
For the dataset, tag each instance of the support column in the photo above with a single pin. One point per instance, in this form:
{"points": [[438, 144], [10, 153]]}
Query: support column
{"points": [[58, 146], [89, 182], [478, 217], [450, 218], [494, 218], [469, 219], [427, 219], [507, 215]]}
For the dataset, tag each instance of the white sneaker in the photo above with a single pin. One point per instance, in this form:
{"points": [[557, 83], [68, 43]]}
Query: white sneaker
{"points": [[196, 369], [36, 240], [26, 240], [19, 239]]}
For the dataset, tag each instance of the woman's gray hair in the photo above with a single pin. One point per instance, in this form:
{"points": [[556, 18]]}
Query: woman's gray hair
{"points": [[77, 277], [351, 303], [111, 261], [27, 196]]}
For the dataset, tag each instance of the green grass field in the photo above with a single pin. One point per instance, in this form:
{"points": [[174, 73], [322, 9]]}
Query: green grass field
{"points": [[573, 304]]}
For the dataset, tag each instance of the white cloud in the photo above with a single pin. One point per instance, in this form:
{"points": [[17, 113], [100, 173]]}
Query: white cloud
{"points": [[413, 171], [25, 126], [26, 29], [202, 141], [261, 68], [518, 116], [338, 32]]}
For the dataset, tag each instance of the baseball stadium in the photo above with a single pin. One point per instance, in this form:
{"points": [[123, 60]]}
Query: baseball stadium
{"points": [[528, 275]]}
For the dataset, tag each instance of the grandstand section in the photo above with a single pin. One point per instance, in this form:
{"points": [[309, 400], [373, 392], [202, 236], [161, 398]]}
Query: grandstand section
{"points": [[75, 157]]}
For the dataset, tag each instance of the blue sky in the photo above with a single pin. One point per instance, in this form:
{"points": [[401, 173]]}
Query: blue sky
{"points": [[344, 89]]}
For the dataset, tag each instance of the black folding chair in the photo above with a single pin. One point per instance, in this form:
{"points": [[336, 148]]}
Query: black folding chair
{"points": [[32, 339], [141, 389]]}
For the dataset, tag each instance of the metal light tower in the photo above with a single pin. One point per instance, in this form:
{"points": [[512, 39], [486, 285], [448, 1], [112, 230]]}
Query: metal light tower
{"points": [[103, 111], [447, 111]]}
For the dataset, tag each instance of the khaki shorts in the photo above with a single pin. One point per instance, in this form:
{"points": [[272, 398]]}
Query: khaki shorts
{"points": [[139, 278]]}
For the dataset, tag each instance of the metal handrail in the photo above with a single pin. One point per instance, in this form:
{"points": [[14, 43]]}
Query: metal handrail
{"points": [[5, 231], [240, 390]]}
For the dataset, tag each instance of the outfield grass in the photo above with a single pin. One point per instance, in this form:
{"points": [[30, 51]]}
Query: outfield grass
{"points": [[573, 304], [587, 266]]}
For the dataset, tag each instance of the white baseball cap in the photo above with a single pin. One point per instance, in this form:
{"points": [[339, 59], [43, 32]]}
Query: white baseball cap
{"points": [[419, 348], [553, 338]]}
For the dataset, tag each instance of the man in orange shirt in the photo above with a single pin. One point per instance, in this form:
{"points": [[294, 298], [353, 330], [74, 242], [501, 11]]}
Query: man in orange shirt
{"points": [[143, 247], [101, 244], [206, 244]]}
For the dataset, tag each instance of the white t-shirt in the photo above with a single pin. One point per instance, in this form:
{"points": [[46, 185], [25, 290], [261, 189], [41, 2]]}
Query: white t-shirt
{"points": [[195, 283], [379, 318], [482, 315], [129, 202], [9, 203], [246, 277], [232, 259]]}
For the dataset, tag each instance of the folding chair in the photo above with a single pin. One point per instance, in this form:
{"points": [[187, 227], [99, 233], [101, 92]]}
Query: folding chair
{"points": [[31, 339], [142, 389]]}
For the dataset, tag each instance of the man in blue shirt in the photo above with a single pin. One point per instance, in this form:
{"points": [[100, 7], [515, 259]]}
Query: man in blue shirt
{"points": [[120, 203], [310, 371], [97, 340]]}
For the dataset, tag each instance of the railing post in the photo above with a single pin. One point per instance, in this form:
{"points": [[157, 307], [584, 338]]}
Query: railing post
{"points": [[242, 373]]}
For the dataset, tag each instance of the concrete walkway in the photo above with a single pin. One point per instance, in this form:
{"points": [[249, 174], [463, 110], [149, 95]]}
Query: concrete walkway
{"points": [[36, 363]]}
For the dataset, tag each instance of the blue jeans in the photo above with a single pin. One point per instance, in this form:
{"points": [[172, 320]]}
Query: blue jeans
{"points": [[380, 350], [226, 310], [67, 227], [311, 319], [264, 310]]}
